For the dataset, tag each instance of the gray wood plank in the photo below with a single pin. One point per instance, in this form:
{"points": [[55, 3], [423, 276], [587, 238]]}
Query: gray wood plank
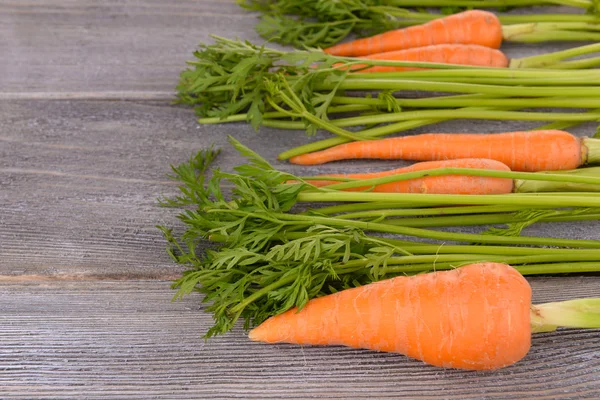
{"points": [[88, 46], [109, 340], [79, 182]]}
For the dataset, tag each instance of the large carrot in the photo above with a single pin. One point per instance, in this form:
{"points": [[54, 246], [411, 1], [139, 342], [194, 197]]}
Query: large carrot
{"points": [[476, 317], [543, 150], [445, 184], [469, 27], [458, 54]]}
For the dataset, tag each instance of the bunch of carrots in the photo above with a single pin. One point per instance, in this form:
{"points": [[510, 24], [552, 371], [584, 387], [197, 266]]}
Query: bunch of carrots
{"points": [[393, 91], [284, 269]]}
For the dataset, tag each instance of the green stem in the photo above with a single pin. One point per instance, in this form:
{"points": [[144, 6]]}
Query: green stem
{"points": [[476, 72], [544, 60], [438, 235], [487, 3], [555, 36], [532, 201], [592, 146], [300, 111], [517, 262], [450, 87], [486, 219], [580, 313], [465, 114], [402, 212], [537, 186], [562, 125], [278, 114], [262, 292], [591, 62], [449, 101], [414, 18], [530, 18]]}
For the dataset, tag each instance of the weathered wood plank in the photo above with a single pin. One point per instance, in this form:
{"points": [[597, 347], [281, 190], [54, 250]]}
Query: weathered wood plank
{"points": [[87, 46], [106, 340], [79, 182]]}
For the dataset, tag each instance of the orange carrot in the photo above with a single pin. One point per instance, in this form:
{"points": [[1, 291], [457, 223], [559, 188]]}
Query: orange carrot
{"points": [[543, 150], [475, 317], [468, 27], [445, 184], [460, 54]]}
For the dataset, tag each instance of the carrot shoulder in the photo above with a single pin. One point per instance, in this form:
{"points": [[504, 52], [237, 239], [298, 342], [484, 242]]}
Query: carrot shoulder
{"points": [[468, 27], [445, 184], [459, 54], [475, 317], [544, 150]]}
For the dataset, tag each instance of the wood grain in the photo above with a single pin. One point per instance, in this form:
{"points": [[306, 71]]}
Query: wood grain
{"points": [[74, 46], [107, 340]]}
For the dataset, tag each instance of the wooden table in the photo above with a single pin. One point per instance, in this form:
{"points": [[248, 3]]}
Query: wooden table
{"points": [[87, 133]]}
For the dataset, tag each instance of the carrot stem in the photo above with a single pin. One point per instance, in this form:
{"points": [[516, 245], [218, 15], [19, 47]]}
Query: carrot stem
{"points": [[554, 36], [451, 87], [431, 234], [593, 150], [550, 59], [591, 62], [534, 201], [488, 219], [580, 313], [487, 3], [562, 125], [537, 186], [445, 114], [476, 72], [404, 212], [449, 101]]}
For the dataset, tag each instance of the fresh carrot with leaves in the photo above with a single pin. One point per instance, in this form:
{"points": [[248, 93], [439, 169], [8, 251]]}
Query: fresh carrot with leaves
{"points": [[446, 184], [543, 150], [476, 317], [440, 177], [458, 54], [469, 27]]}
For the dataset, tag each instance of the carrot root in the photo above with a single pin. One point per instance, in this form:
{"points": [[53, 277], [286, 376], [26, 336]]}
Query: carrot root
{"points": [[458, 54], [447, 184], [475, 317], [543, 150], [468, 27]]}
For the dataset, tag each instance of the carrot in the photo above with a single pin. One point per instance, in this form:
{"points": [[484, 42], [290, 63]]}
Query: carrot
{"points": [[446, 184], [469, 27], [459, 54], [475, 317], [543, 150]]}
